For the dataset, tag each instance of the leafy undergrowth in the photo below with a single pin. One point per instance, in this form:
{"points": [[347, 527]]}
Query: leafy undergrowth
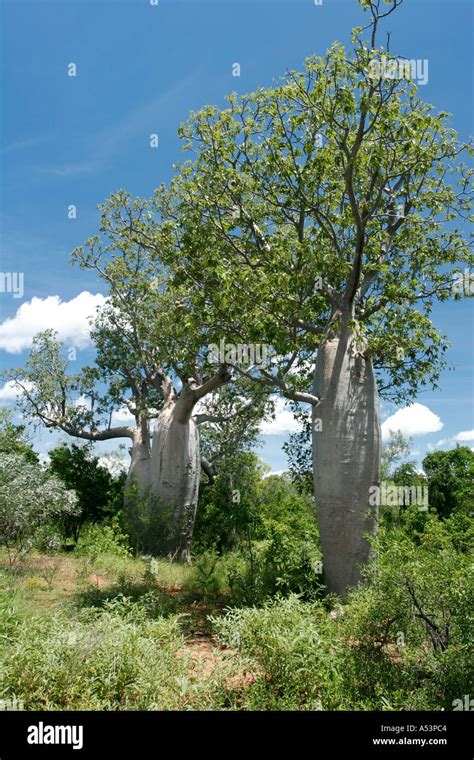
{"points": [[102, 631], [109, 635]]}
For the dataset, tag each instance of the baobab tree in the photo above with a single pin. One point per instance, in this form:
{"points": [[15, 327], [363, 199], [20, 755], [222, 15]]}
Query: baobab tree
{"points": [[149, 367], [324, 216]]}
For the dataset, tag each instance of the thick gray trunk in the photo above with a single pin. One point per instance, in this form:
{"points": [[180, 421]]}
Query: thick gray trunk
{"points": [[346, 458], [139, 473], [137, 488], [175, 472]]}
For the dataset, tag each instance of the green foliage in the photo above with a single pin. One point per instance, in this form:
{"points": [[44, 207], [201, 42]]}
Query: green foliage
{"points": [[407, 475], [103, 538], [99, 493], [280, 565], [412, 625], [334, 187], [241, 506], [270, 530], [402, 640], [299, 452], [30, 498], [13, 438], [109, 659], [280, 501], [293, 644], [152, 527], [450, 480], [209, 577], [228, 509]]}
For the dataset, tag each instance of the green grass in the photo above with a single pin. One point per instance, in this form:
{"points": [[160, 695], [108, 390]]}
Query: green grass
{"points": [[101, 630], [104, 633]]}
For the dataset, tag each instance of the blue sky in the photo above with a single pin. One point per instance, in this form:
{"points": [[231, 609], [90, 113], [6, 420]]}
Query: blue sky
{"points": [[140, 70]]}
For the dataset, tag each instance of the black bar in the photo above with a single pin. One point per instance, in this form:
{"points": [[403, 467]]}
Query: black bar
{"points": [[320, 734]]}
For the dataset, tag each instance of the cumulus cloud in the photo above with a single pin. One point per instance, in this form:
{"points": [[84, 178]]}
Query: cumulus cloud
{"points": [[465, 435], [9, 392], [283, 423], [114, 463], [122, 416], [69, 318], [412, 420]]}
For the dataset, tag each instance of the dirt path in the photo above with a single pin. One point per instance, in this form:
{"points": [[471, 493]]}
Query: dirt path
{"points": [[207, 653]]}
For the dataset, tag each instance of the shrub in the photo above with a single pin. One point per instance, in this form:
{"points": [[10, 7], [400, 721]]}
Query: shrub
{"points": [[401, 640], [228, 509], [296, 649], [29, 499], [103, 538], [282, 564], [410, 628]]}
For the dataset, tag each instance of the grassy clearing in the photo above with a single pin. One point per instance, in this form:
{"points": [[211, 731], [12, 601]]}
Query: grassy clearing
{"points": [[103, 633], [101, 630]]}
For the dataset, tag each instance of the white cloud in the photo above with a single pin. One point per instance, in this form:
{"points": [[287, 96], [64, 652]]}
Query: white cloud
{"points": [[283, 423], [465, 435], [9, 392], [122, 416], [69, 318], [83, 403], [412, 420], [274, 472], [114, 463]]}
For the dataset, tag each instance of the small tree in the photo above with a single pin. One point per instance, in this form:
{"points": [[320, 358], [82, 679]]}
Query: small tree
{"points": [[450, 480], [99, 493], [30, 498], [150, 369]]}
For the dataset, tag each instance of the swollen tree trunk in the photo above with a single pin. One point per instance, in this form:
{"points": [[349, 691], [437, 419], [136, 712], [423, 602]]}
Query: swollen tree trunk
{"points": [[139, 473], [346, 456], [175, 467], [176, 464], [137, 486]]}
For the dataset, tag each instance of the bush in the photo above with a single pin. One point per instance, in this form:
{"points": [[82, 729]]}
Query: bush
{"points": [[103, 538], [296, 649], [209, 575], [30, 498], [282, 564], [275, 545], [228, 509], [413, 622], [402, 639]]}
